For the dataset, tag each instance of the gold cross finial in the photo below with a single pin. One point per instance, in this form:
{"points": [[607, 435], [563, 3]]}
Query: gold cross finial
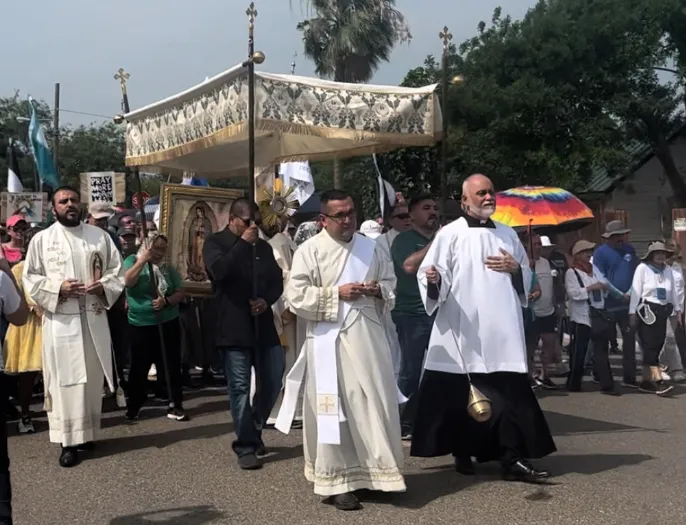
{"points": [[446, 36], [122, 76], [251, 13]]}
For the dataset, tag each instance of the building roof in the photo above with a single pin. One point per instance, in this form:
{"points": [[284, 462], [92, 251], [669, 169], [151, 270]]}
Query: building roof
{"points": [[639, 152]]}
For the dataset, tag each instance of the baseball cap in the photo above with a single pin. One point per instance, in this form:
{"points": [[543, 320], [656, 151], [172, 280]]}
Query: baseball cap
{"points": [[99, 210], [14, 220], [545, 242], [371, 229], [121, 232]]}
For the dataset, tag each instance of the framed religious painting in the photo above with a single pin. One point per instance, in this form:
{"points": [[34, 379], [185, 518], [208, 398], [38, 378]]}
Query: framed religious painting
{"points": [[188, 216]]}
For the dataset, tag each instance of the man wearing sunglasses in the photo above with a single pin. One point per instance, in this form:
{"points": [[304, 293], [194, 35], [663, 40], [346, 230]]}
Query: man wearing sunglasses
{"points": [[399, 222], [231, 256]]}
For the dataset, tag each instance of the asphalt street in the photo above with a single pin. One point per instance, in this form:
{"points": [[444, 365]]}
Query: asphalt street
{"points": [[620, 461]]}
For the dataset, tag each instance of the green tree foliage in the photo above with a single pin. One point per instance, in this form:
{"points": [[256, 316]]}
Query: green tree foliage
{"points": [[348, 39]]}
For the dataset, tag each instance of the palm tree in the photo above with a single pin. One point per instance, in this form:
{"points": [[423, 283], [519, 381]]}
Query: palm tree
{"points": [[348, 39]]}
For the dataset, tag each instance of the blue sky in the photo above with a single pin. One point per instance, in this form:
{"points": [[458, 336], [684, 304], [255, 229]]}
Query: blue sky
{"points": [[170, 45]]}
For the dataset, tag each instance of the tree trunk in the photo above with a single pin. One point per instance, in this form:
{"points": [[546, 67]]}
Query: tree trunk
{"points": [[339, 76], [337, 183], [664, 154]]}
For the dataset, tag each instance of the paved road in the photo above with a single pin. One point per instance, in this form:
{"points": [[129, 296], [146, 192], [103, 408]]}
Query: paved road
{"points": [[620, 460]]}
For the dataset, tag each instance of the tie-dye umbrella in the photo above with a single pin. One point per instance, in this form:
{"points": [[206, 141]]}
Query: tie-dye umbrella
{"points": [[541, 207]]}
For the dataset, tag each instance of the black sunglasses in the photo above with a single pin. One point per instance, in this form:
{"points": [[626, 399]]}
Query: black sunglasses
{"points": [[402, 216], [246, 222]]}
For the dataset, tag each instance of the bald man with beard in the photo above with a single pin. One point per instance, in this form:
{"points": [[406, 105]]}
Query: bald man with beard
{"points": [[475, 275]]}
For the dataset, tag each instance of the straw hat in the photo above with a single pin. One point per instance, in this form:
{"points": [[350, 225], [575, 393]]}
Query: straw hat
{"points": [[658, 246], [614, 228], [582, 246]]}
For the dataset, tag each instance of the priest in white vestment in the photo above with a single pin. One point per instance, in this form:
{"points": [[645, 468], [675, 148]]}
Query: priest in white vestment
{"points": [[400, 222], [74, 273], [475, 274], [351, 421]]}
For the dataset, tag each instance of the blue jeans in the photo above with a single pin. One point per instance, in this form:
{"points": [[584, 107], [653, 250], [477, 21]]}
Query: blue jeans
{"points": [[248, 420], [414, 332]]}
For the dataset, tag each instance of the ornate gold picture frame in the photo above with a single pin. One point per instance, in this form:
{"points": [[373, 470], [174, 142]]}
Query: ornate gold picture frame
{"points": [[188, 215]]}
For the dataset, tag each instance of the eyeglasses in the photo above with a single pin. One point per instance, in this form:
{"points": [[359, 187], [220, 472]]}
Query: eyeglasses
{"points": [[341, 217], [402, 216]]}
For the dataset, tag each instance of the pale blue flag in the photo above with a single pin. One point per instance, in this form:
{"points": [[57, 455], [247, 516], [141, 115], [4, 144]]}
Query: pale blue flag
{"points": [[40, 149]]}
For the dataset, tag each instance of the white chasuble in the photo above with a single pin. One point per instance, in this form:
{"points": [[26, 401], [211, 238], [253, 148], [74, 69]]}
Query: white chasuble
{"points": [[479, 311], [351, 419], [76, 337]]}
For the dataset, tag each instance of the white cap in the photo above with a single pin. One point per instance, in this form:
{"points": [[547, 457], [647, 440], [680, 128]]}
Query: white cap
{"points": [[371, 229], [545, 242]]}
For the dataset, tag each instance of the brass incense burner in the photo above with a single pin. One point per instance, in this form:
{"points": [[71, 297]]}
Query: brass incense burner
{"points": [[478, 406]]}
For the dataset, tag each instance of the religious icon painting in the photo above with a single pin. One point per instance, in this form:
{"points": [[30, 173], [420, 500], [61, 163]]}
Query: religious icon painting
{"points": [[96, 266], [188, 216]]}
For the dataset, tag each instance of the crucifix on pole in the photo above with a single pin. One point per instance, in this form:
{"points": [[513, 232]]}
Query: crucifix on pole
{"points": [[122, 77]]}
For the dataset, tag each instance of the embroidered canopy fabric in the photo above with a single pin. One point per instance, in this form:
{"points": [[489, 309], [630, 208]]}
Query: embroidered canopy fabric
{"points": [[204, 129]]}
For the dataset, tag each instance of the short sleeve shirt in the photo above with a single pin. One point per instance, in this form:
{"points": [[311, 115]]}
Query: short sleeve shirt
{"points": [[9, 297], [140, 296], [407, 297]]}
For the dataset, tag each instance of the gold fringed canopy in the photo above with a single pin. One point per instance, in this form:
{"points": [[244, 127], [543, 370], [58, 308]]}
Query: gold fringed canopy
{"points": [[204, 129]]}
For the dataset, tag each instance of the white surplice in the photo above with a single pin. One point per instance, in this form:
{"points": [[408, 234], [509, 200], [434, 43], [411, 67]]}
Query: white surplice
{"points": [[369, 453], [384, 242], [284, 319], [480, 312], [77, 351]]}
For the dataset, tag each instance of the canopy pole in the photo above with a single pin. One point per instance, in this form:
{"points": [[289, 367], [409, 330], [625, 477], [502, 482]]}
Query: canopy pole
{"points": [[251, 13], [446, 36], [122, 76]]}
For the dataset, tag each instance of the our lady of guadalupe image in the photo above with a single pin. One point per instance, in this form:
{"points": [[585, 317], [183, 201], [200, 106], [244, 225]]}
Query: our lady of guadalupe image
{"points": [[200, 228]]}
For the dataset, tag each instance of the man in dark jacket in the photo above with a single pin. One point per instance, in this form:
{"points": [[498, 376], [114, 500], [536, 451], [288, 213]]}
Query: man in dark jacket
{"points": [[230, 257]]}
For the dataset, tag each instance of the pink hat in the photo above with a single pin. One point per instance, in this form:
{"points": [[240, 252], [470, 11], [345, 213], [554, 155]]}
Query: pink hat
{"points": [[13, 220]]}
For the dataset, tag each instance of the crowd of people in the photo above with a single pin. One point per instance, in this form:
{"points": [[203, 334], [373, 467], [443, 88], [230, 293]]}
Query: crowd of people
{"points": [[436, 328]]}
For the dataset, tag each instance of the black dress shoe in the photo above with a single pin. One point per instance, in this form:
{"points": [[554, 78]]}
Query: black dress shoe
{"points": [[261, 450], [249, 462], [90, 446], [69, 457], [464, 466], [523, 471], [347, 501]]}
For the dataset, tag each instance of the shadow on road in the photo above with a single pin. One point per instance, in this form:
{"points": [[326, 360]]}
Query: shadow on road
{"points": [[199, 515], [591, 463], [567, 425], [110, 447]]}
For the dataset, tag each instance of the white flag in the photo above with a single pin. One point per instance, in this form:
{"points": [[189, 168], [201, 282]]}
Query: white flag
{"points": [[297, 175], [14, 184], [386, 191]]}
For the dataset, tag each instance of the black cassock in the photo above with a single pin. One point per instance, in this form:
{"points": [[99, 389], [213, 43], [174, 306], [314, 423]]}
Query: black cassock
{"points": [[516, 430]]}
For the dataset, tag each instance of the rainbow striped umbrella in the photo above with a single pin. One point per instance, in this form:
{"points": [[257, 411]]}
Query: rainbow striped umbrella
{"points": [[541, 207]]}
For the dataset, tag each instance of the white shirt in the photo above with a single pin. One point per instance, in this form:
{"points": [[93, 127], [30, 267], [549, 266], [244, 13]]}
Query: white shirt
{"points": [[679, 284], [653, 287], [579, 295], [9, 297], [544, 306]]}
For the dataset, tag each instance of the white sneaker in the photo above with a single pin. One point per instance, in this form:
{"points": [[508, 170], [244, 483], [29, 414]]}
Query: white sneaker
{"points": [[26, 426], [153, 371], [665, 376]]}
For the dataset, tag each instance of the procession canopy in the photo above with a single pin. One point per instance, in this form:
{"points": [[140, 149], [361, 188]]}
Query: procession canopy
{"points": [[205, 129]]}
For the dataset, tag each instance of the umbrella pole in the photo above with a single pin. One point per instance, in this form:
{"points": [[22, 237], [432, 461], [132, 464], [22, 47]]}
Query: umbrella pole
{"points": [[251, 12], [446, 36], [123, 77]]}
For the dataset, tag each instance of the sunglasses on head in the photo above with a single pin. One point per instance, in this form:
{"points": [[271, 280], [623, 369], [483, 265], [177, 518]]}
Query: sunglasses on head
{"points": [[402, 216]]}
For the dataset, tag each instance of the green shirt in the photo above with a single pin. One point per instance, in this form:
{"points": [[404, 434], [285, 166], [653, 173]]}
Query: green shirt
{"points": [[139, 297], [407, 297]]}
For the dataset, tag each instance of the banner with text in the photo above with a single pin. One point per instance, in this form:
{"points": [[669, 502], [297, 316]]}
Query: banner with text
{"points": [[105, 187]]}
